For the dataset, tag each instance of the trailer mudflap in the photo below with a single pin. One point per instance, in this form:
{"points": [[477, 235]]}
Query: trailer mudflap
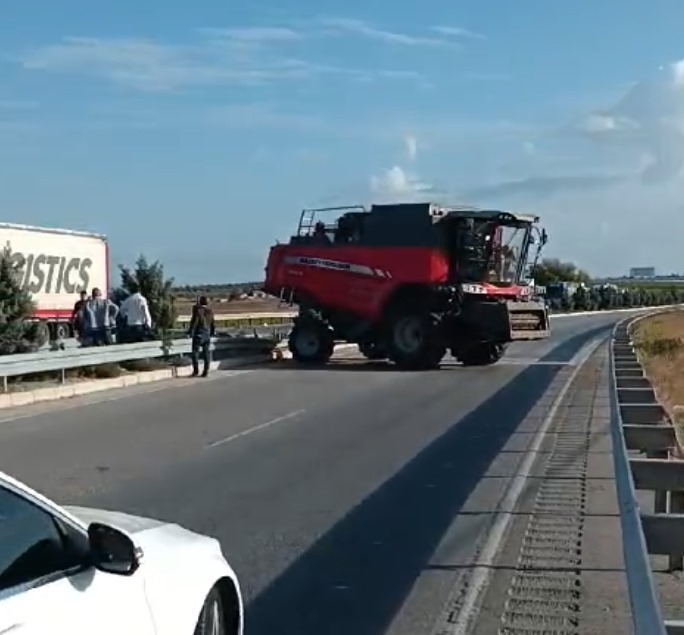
{"points": [[528, 320]]}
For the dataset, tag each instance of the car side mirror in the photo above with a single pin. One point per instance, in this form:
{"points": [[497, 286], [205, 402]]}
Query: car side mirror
{"points": [[112, 550]]}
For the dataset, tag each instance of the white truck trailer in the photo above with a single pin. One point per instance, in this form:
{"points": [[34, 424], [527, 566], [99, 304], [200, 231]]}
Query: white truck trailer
{"points": [[57, 264]]}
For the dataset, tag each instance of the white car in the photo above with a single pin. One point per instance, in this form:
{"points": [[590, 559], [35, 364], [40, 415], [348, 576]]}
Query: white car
{"points": [[76, 570]]}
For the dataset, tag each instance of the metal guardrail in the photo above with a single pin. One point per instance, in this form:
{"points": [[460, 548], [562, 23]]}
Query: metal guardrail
{"points": [[640, 424], [55, 361], [284, 318]]}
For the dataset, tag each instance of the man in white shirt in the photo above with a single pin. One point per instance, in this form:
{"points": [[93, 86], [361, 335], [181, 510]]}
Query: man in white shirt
{"points": [[136, 315]]}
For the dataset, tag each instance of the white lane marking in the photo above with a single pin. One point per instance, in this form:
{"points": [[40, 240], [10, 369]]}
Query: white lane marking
{"points": [[530, 361], [261, 426], [53, 406], [483, 567]]}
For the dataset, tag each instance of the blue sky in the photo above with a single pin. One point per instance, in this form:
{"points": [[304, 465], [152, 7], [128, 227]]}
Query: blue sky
{"points": [[195, 132]]}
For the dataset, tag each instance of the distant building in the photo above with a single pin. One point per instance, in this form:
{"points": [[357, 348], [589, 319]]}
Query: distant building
{"points": [[642, 272]]}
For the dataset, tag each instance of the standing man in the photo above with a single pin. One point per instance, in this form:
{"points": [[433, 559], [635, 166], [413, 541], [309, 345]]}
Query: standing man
{"points": [[77, 314], [201, 329], [135, 312], [99, 317]]}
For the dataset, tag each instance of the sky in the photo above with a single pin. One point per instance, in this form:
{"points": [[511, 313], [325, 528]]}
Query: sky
{"points": [[195, 132]]}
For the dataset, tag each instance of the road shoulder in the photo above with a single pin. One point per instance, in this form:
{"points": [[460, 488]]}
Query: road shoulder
{"points": [[561, 568]]}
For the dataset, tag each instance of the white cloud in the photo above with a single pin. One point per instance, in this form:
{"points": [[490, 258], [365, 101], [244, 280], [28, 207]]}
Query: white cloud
{"points": [[595, 123], [361, 28], [458, 32], [395, 184], [647, 120], [625, 204], [137, 63], [411, 147], [221, 56], [257, 34]]}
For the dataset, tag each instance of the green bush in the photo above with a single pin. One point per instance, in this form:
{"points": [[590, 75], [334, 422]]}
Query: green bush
{"points": [[101, 371], [17, 333], [149, 279]]}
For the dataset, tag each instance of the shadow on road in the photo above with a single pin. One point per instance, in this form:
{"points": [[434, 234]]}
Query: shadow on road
{"points": [[356, 577], [562, 353]]}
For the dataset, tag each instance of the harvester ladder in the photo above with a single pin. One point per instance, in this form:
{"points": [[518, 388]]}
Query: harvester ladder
{"points": [[306, 222], [285, 297]]}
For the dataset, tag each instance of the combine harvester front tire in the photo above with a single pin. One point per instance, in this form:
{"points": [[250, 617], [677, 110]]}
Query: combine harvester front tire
{"points": [[414, 341], [311, 342]]}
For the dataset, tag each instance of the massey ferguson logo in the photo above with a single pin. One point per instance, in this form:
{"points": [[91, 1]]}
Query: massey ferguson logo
{"points": [[326, 264], [337, 265], [47, 273]]}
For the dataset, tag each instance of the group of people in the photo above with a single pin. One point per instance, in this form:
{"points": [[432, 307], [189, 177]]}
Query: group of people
{"points": [[95, 319]]}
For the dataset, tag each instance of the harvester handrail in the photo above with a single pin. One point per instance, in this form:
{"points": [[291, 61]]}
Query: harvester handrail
{"points": [[333, 209]]}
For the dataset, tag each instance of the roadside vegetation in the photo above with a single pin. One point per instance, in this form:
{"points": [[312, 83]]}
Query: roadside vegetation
{"points": [[17, 335], [659, 341]]}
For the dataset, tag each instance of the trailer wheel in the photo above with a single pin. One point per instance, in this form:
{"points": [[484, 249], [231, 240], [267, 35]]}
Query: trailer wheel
{"points": [[483, 354], [62, 331], [41, 334], [414, 340], [311, 342]]}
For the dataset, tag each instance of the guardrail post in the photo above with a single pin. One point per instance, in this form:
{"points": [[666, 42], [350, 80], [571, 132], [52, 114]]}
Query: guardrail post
{"points": [[660, 497], [676, 562]]}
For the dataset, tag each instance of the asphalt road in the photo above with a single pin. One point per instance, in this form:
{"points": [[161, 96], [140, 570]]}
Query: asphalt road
{"points": [[339, 495]]}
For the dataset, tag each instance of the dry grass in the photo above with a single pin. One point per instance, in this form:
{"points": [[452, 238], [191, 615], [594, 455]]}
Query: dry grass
{"points": [[660, 343]]}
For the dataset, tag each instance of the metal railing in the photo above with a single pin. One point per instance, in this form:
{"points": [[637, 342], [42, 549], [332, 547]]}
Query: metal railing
{"points": [[641, 424], [284, 318], [61, 361]]}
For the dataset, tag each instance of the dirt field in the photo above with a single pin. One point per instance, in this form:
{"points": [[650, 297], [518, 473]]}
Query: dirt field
{"points": [[660, 342]]}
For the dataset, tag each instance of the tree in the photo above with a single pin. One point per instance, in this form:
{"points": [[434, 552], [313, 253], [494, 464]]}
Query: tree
{"points": [[580, 300], [148, 278], [17, 333], [553, 270]]}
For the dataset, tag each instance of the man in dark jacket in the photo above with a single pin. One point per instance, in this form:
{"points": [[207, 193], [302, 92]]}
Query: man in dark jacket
{"points": [[77, 314], [201, 329]]}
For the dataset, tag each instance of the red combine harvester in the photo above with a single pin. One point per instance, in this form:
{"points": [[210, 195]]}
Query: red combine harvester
{"points": [[409, 281]]}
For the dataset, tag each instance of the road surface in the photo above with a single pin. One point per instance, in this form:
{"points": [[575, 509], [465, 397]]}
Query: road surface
{"points": [[338, 494]]}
